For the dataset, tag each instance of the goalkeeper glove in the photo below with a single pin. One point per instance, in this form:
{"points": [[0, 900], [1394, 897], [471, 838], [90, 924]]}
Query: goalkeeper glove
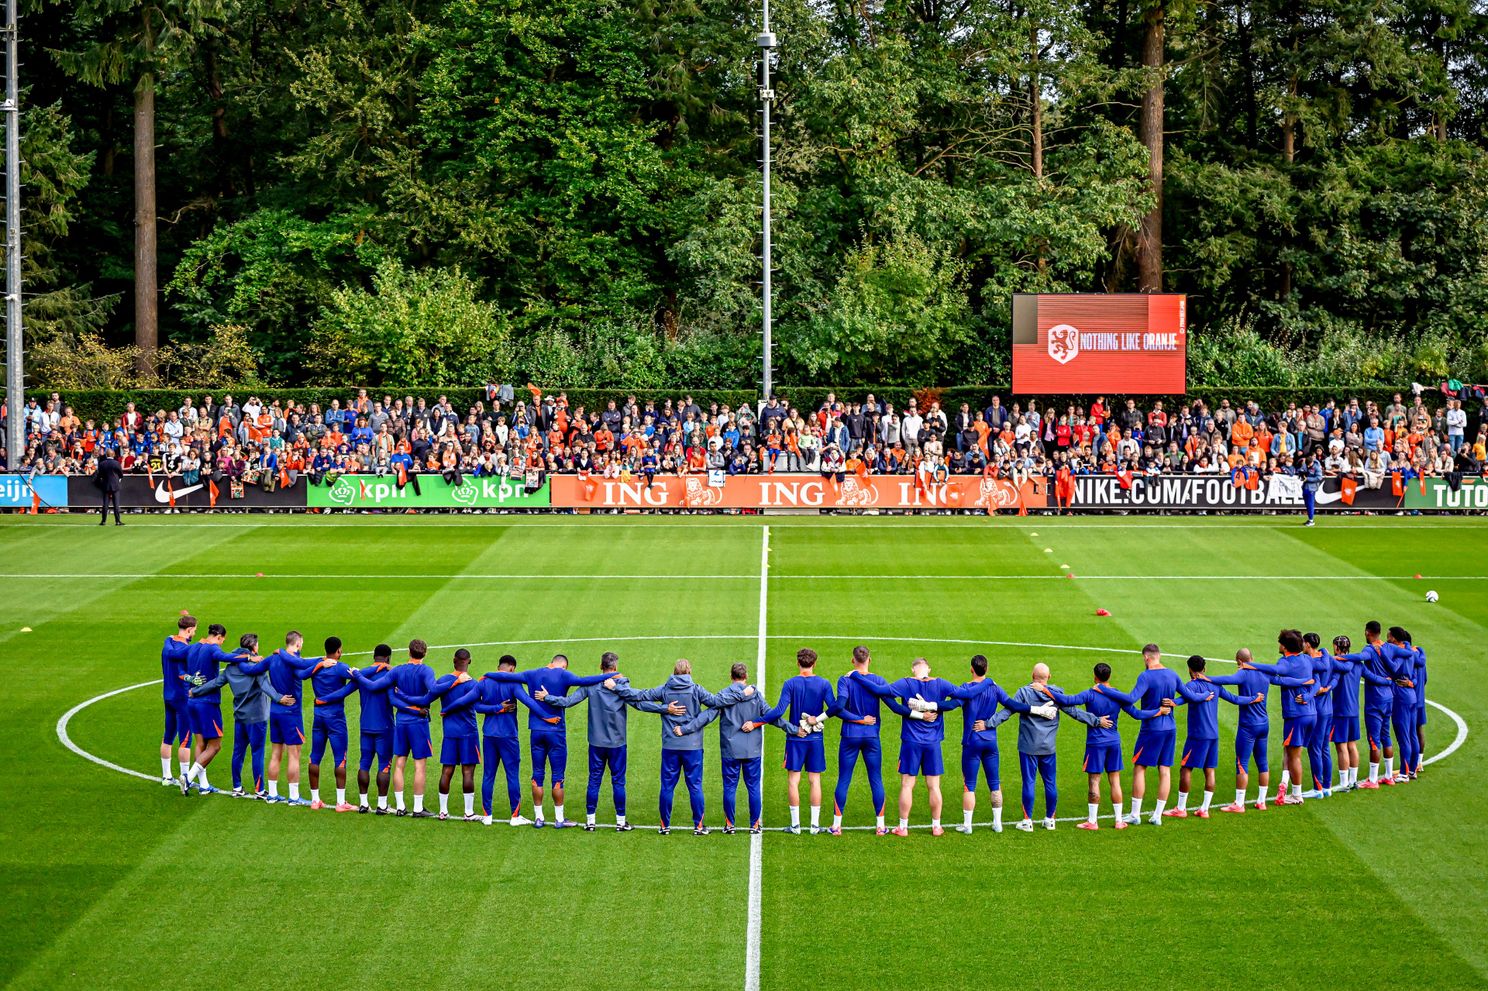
{"points": [[197, 681], [1046, 711]]}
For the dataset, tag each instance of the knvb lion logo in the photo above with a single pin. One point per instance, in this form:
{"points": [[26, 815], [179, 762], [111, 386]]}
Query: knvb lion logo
{"points": [[1064, 343]]}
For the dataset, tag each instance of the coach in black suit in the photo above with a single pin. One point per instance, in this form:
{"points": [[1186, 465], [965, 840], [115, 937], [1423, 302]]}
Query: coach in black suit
{"points": [[108, 477]]}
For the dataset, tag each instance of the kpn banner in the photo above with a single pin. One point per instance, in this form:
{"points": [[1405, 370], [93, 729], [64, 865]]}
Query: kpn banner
{"points": [[424, 492]]}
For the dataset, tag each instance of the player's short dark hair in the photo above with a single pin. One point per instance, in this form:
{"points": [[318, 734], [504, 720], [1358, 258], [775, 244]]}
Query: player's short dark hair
{"points": [[216, 630], [1399, 633], [806, 658], [739, 672], [860, 654], [560, 657], [1290, 641], [979, 664], [1312, 640], [332, 644], [417, 649], [249, 640], [462, 655], [609, 661], [381, 651], [186, 622], [1342, 642], [1103, 672], [1372, 628], [1152, 648], [1196, 662], [506, 661]]}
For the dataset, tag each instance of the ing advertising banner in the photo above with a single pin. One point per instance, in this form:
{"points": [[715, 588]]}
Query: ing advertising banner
{"points": [[1120, 343], [894, 492]]}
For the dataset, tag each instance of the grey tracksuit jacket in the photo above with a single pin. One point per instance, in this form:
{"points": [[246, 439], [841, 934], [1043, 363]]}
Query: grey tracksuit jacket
{"points": [[1035, 733]]}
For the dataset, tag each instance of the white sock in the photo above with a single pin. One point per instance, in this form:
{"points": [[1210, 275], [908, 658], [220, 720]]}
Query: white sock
{"points": [[619, 820], [192, 771], [589, 819], [1182, 801], [795, 815], [340, 796], [418, 803], [1094, 810], [361, 798], [382, 801], [201, 777], [966, 815], [443, 804], [934, 823], [165, 771], [1208, 797], [1373, 772], [536, 812], [997, 817], [837, 822], [1389, 767], [1239, 795], [903, 823], [557, 812], [880, 821], [273, 784], [294, 791], [1296, 791], [1157, 809], [815, 816], [314, 794], [469, 805], [1136, 807], [1286, 779], [400, 800]]}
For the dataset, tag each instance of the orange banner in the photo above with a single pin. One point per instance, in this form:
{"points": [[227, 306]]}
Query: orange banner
{"points": [[898, 492]]}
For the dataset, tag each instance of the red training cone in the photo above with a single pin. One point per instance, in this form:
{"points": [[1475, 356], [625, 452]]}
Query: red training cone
{"points": [[1102, 612]]}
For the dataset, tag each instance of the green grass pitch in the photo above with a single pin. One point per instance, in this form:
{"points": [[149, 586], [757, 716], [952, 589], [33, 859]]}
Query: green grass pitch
{"points": [[111, 881]]}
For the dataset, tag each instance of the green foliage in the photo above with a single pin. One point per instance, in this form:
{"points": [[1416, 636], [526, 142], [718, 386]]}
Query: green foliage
{"points": [[414, 328]]}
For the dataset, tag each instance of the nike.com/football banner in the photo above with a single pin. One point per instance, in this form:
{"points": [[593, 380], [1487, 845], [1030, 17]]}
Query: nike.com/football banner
{"points": [[161, 492], [1219, 492], [793, 492], [424, 492]]}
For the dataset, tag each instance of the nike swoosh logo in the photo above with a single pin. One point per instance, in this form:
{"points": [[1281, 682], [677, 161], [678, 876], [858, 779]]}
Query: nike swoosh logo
{"points": [[162, 494], [1323, 498]]}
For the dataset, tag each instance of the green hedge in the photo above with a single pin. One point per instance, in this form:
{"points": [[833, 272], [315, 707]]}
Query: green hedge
{"points": [[101, 403]]}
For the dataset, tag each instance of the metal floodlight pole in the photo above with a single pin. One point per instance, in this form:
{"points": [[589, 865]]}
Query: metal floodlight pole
{"points": [[766, 43], [14, 370]]}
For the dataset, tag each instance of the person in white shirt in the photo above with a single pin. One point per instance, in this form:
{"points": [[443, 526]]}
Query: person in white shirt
{"points": [[1456, 424]]}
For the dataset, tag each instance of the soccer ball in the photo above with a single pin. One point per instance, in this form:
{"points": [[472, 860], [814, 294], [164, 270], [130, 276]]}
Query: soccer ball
{"points": [[1431, 596]]}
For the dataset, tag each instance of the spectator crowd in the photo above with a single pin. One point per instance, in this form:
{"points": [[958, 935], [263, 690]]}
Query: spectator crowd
{"points": [[264, 440]]}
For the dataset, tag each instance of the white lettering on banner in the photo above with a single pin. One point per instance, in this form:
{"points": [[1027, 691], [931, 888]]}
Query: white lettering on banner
{"points": [[1169, 491], [621, 494], [791, 492], [1466, 497], [1131, 341]]}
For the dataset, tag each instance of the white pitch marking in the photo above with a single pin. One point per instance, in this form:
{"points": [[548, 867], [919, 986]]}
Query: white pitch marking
{"points": [[756, 841]]}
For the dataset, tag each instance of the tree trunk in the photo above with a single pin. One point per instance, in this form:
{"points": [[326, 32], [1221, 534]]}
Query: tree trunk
{"points": [[1150, 241], [146, 297], [1289, 154], [1036, 127]]}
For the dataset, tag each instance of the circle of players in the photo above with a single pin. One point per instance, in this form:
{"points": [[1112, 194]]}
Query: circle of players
{"points": [[1320, 715]]}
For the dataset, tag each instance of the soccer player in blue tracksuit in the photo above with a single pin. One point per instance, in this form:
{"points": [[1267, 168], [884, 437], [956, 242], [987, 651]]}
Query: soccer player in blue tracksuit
{"points": [[922, 733], [1401, 657], [1319, 754], [1156, 688], [498, 702], [1379, 701], [203, 660], [979, 753], [331, 681], [411, 738], [1419, 677], [173, 694], [1252, 733], [608, 738], [548, 740], [287, 673], [374, 684], [740, 747], [1201, 748], [458, 694], [861, 739], [1293, 672], [1345, 732], [810, 700], [680, 755]]}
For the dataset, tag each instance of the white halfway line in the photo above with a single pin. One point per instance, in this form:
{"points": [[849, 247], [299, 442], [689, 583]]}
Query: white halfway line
{"points": [[756, 841], [651, 576]]}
